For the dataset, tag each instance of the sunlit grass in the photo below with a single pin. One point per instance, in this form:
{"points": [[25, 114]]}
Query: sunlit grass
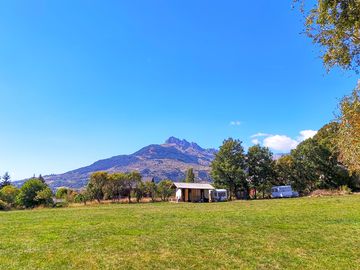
{"points": [[304, 233]]}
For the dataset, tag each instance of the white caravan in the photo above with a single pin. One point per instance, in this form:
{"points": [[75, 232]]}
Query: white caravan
{"points": [[283, 192], [218, 195]]}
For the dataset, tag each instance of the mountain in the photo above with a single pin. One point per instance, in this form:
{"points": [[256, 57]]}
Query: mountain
{"points": [[159, 161], [276, 156]]}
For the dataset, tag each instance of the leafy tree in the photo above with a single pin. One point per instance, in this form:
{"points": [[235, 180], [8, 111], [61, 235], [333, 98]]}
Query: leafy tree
{"points": [[27, 196], [61, 193], [44, 196], [132, 179], [284, 170], [151, 190], [335, 25], [115, 186], [315, 166], [315, 163], [348, 141], [228, 167], [96, 185], [338, 174], [82, 197], [260, 168], [139, 190], [164, 189], [8, 194], [190, 177], [307, 158], [6, 180], [65, 193]]}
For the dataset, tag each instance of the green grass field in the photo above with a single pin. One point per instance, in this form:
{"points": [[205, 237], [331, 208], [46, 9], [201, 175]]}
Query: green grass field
{"points": [[305, 233]]}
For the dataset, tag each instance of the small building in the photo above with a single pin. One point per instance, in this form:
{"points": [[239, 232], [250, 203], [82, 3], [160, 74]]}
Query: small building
{"points": [[192, 192]]}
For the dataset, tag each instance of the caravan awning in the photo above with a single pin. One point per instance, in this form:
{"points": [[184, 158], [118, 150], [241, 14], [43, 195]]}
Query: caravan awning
{"points": [[193, 185]]}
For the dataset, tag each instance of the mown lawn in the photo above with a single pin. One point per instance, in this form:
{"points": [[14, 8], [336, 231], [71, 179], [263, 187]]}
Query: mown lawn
{"points": [[305, 233]]}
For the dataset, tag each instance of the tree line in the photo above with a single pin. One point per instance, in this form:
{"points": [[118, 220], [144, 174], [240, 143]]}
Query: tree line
{"points": [[34, 192], [315, 163], [329, 160], [101, 186], [114, 186]]}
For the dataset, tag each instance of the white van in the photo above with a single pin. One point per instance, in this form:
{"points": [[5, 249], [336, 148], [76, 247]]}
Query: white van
{"points": [[283, 192], [218, 195]]}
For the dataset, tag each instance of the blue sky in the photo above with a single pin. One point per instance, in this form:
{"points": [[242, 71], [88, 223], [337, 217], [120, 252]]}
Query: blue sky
{"points": [[85, 80]]}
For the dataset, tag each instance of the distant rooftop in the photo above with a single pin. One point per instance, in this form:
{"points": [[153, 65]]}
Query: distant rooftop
{"points": [[193, 185]]}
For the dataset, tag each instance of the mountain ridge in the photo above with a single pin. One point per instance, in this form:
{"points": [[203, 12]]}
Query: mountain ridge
{"points": [[169, 160]]}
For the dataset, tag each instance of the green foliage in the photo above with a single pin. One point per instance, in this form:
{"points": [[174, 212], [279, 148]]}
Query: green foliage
{"points": [[228, 167], [139, 190], [44, 196], [4, 206], [345, 189], [335, 25], [5, 180], [111, 186], [165, 190], [61, 204], [132, 179], [82, 197], [8, 194], [65, 193], [190, 176], [284, 168], [61, 193], [30, 190], [260, 166], [115, 186], [314, 164], [151, 190], [95, 187], [349, 131]]}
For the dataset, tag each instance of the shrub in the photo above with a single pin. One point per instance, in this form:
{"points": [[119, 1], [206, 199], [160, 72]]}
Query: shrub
{"points": [[31, 193], [345, 189], [61, 204], [82, 197], [44, 197], [8, 194], [164, 189], [3, 206]]}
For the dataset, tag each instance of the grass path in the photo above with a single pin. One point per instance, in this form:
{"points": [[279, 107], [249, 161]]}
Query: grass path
{"points": [[304, 233]]}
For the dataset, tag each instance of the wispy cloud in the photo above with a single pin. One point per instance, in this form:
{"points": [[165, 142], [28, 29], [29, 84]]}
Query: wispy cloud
{"points": [[260, 134], [235, 123], [282, 143]]}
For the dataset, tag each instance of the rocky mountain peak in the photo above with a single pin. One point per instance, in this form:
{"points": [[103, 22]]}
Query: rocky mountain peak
{"points": [[183, 144]]}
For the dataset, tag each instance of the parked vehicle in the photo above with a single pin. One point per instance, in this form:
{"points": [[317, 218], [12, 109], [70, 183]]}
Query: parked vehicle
{"points": [[218, 195], [283, 192]]}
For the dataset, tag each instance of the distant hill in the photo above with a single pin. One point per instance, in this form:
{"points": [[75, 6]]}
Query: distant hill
{"points": [[165, 161], [276, 156]]}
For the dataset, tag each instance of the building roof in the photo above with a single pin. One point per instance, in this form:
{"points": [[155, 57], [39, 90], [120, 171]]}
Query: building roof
{"points": [[193, 185]]}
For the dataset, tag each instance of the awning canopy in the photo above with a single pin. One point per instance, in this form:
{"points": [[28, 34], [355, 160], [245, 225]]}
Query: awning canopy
{"points": [[193, 185]]}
